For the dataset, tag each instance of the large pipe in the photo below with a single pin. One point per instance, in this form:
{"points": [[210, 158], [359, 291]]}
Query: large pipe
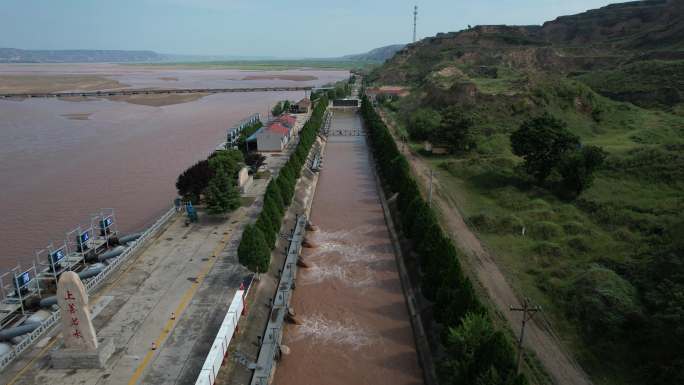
{"points": [[91, 271], [8, 334], [48, 301], [39, 316], [129, 237], [115, 252], [5, 348]]}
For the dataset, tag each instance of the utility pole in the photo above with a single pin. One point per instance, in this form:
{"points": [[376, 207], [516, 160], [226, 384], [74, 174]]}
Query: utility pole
{"points": [[432, 173], [528, 313], [415, 18]]}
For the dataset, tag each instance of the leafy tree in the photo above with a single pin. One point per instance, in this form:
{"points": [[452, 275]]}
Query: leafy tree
{"points": [[543, 143], [286, 105], [277, 109], [230, 160], [222, 193], [423, 123], [456, 131], [254, 160], [253, 251], [577, 168], [193, 181]]}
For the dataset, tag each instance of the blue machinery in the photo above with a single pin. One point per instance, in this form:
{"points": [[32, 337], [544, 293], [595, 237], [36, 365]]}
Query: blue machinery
{"points": [[191, 212], [21, 289]]}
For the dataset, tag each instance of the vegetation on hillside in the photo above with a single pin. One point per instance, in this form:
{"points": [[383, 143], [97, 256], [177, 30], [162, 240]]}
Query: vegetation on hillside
{"points": [[471, 350], [591, 228]]}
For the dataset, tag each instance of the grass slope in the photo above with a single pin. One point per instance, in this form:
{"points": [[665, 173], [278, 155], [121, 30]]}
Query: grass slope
{"points": [[635, 196]]}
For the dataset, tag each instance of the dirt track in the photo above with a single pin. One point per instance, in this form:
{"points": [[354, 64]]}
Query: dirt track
{"points": [[562, 368]]}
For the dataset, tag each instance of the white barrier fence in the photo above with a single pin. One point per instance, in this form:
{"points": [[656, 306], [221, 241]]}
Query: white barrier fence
{"points": [[219, 349]]}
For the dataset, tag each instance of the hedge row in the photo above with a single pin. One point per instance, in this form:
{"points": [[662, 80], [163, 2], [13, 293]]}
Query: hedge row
{"points": [[472, 355], [259, 239]]}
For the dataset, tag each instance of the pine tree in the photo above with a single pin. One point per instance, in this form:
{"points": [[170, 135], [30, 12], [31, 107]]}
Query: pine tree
{"points": [[253, 251], [222, 193]]}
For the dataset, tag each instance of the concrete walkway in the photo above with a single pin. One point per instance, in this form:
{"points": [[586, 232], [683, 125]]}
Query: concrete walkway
{"points": [[188, 272]]}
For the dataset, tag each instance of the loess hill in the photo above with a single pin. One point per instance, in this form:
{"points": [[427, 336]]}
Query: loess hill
{"points": [[608, 265]]}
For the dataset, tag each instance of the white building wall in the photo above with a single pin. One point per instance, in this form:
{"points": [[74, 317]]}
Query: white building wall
{"points": [[270, 142]]}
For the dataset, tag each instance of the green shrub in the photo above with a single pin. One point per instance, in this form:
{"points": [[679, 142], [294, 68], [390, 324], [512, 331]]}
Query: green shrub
{"points": [[579, 244], [545, 230], [575, 228], [483, 222], [547, 249], [603, 301], [539, 214], [510, 224]]}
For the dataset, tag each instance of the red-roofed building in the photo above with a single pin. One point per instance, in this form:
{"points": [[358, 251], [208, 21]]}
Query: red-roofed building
{"points": [[274, 136], [287, 120], [303, 106], [279, 128]]}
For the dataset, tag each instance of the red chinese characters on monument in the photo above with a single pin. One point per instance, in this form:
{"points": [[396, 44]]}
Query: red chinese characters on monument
{"points": [[69, 297]]}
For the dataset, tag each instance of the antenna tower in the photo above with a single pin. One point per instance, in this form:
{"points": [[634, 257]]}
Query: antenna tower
{"points": [[415, 18]]}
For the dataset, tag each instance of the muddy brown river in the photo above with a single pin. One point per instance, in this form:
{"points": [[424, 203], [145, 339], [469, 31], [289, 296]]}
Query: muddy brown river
{"points": [[355, 326], [61, 161]]}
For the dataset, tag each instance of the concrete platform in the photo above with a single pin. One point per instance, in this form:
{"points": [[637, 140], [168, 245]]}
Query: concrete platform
{"points": [[190, 271], [62, 358]]}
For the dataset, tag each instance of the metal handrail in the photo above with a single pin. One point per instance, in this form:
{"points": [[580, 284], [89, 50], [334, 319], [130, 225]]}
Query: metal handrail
{"points": [[90, 286]]}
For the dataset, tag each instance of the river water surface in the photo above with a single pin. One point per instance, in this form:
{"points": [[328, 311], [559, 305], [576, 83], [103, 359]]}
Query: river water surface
{"points": [[55, 171], [355, 326]]}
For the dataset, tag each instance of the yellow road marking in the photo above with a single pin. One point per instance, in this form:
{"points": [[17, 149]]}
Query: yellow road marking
{"points": [[179, 310], [96, 299]]}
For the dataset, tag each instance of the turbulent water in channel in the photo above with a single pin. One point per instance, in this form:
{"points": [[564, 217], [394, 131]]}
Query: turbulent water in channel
{"points": [[354, 327], [61, 161]]}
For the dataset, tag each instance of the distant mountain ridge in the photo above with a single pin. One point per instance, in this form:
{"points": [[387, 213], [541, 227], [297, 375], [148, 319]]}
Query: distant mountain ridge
{"points": [[14, 55], [380, 54]]}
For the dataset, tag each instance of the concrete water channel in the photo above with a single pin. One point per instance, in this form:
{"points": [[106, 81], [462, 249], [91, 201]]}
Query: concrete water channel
{"points": [[354, 323]]}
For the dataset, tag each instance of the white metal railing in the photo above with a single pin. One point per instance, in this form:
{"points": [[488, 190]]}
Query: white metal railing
{"points": [[90, 286]]}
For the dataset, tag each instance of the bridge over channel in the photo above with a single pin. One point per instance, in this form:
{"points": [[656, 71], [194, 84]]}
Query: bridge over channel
{"points": [[149, 92], [346, 132]]}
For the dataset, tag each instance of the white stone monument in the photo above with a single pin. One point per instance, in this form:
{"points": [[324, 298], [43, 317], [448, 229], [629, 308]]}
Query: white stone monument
{"points": [[81, 348], [244, 180]]}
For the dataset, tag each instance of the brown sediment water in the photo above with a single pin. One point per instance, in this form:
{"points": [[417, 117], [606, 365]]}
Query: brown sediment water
{"points": [[61, 161], [355, 327]]}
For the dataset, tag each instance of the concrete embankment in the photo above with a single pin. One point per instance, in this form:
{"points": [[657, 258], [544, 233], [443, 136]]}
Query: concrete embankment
{"points": [[245, 348]]}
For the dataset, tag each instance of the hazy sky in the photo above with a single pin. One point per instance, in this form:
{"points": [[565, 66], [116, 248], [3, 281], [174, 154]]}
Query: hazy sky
{"points": [[283, 28]]}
